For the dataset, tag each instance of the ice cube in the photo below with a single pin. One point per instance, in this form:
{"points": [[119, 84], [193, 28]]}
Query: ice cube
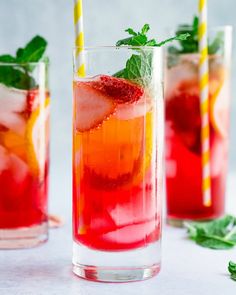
{"points": [[19, 168], [218, 157], [11, 162], [141, 209], [132, 234], [12, 102], [186, 69], [13, 121], [134, 110]]}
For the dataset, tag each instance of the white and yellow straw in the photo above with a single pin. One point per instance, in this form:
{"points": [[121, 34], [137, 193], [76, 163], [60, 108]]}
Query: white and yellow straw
{"points": [[79, 37], [204, 103]]}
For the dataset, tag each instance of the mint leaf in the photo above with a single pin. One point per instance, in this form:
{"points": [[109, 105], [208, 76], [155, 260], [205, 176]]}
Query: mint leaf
{"points": [[217, 234], [213, 242], [33, 51], [131, 32], [139, 66], [180, 37], [145, 29], [7, 58], [18, 75], [232, 270], [15, 77], [190, 45], [217, 44]]}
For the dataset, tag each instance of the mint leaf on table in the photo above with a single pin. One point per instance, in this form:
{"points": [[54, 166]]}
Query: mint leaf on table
{"points": [[232, 270], [191, 44], [18, 75], [139, 66], [217, 234]]}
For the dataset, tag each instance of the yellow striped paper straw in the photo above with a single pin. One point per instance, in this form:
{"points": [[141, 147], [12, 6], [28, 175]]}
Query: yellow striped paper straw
{"points": [[79, 36], [204, 103]]}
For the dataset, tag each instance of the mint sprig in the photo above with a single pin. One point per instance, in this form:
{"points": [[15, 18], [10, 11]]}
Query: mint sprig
{"points": [[218, 234], [18, 75], [138, 67], [191, 45], [232, 270]]}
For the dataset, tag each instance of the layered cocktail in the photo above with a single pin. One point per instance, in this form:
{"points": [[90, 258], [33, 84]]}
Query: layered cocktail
{"points": [[24, 157], [117, 166], [183, 130]]}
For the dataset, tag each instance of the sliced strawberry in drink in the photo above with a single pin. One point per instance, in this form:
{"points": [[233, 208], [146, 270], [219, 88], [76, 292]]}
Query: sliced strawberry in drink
{"points": [[184, 106], [92, 106], [32, 100], [183, 110], [121, 90]]}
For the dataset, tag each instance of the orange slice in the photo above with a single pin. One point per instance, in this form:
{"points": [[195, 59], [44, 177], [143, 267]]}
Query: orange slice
{"points": [[219, 105], [15, 143], [37, 136]]}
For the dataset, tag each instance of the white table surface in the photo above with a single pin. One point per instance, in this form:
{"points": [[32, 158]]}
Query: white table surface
{"points": [[187, 269]]}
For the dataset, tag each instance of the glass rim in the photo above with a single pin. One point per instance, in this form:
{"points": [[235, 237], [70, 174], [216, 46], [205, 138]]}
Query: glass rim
{"points": [[110, 47], [210, 28], [14, 64]]}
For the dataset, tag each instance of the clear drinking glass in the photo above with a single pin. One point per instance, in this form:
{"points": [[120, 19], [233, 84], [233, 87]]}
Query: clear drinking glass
{"points": [[183, 130], [117, 165], [24, 154]]}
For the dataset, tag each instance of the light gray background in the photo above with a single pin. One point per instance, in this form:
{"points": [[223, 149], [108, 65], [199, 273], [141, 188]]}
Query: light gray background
{"points": [[104, 22]]}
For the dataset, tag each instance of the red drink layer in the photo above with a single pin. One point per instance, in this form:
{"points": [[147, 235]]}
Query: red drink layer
{"points": [[23, 157], [183, 142], [114, 185]]}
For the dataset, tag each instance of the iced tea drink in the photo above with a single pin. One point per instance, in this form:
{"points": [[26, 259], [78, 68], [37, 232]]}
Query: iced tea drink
{"points": [[24, 152], [117, 172], [183, 134]]}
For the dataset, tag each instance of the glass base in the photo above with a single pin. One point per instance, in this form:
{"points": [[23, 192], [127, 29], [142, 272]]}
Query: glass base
{"points": [[179, 222], [123, 266], [175, 222], [26, 237]]}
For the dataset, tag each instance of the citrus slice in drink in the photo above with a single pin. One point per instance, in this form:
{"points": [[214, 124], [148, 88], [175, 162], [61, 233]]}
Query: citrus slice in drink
{"points": [[37, 137], [14, 143], [219, 105]]}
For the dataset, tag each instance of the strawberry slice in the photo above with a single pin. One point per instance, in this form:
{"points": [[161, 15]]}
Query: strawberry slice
{"points": [[183, 109], [121, 90], [92, 106], [32, 100]]}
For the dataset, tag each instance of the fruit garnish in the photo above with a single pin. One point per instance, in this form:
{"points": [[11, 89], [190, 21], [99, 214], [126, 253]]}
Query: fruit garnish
{"points": [[14, 143], [138, 67], [32, 100], [183, 109], [37, 137], [92, 106], [219, 106], [17, 72], [121, 90]]}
